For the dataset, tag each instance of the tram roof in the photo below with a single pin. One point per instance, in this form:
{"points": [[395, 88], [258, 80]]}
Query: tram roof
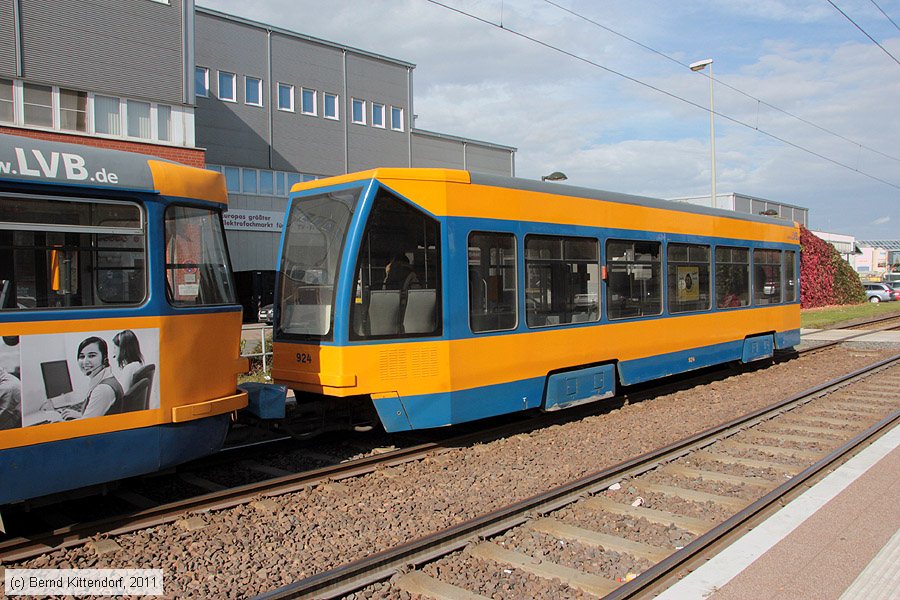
{"points": [[531, 185]]}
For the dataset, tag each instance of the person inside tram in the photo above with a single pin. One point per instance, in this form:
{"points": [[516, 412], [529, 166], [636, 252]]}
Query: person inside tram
{"points": [[399, 274]]}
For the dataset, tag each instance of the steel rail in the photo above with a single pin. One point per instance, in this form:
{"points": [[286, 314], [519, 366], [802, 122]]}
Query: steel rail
{"points": [[383, 565], [655, 577], [72, 535]]}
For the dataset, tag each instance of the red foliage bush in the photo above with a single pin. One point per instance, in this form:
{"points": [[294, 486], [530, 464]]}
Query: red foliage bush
{"points": [[825, 277]]}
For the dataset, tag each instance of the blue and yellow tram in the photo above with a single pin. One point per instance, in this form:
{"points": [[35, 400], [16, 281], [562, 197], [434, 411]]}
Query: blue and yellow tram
{"points": [[442, 296], [119, 328]]}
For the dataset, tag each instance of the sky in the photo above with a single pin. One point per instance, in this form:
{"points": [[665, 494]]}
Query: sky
{"points": [[807, 106]]}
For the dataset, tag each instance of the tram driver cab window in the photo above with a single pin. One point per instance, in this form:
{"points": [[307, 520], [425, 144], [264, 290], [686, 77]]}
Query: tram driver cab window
{"points": [[397, 280]]}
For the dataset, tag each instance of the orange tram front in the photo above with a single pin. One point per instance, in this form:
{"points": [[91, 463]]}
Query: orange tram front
{"points": [[120, 329]]}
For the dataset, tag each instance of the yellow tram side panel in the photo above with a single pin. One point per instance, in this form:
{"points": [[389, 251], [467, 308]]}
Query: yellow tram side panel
{"points": [[197, 373], [428, 367]]}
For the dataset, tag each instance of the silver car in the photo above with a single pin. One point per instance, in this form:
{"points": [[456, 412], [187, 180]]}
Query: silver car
{"points": [[879, 292], [265, 314]]}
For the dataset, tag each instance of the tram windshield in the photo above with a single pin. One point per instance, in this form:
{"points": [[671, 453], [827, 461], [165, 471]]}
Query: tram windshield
{"points": [[314, 238]]}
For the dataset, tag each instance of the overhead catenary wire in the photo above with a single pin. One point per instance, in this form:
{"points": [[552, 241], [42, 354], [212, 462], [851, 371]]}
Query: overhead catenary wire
{"points": [[549, 46], [865, 33], [760, 101], [885, 14]]}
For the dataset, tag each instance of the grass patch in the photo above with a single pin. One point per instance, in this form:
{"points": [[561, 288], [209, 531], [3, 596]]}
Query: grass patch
{"points": [[818, 318]]}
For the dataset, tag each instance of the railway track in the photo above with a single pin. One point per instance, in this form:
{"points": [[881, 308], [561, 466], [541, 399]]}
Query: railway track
{"points": [[274, 480], [696, 492]]}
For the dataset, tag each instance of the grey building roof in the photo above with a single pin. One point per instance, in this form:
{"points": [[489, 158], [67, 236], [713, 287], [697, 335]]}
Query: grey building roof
{"points": [[886, 244]]}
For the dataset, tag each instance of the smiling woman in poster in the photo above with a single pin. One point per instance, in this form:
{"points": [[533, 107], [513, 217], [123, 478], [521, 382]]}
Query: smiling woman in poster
{"points": [[104, 390]]}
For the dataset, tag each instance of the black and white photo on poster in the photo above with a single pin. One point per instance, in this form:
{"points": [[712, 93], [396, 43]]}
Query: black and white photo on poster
{"points": [[10, 383], [81, 375]]}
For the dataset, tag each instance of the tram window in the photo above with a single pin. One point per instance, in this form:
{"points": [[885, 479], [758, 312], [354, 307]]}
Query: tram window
{"points": [[732, 277], [562, 280], [634, 288], [790, 278], [492, 281], [197, 269], [397, 282], [71, 253], [688, 283], [766, 277]]}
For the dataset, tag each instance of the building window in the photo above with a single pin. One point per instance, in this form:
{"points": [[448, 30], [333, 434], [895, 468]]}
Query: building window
{"points": [[493, 281], [164, 122], [634, 288], [138, 117], [266, 183], [106, 115], [38, 104], [285, 97], [562, 280], [7, 103], [308, 101], [377, 115], [201, 82], [232, 179], [253, 91], [331, 106], [227, 86], [732, 277], [396, 118], [359, 111], [689, 269], [248, 181], [72, 110]]}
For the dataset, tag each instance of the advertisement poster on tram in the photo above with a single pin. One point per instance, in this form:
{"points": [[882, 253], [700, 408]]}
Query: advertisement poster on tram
{"points": [[59, 377]]}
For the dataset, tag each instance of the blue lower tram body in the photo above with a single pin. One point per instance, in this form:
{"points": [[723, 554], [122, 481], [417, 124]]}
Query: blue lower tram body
{"points": [[40, 469], [568, 388]]}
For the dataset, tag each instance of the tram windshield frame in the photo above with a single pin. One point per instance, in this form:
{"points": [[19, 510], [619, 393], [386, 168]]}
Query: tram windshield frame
{"points": [[315, 235]]}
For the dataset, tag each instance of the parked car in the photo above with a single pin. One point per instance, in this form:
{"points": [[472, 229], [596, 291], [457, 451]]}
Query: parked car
{"points": [[879, 292], [265, 314], [896, 288]]}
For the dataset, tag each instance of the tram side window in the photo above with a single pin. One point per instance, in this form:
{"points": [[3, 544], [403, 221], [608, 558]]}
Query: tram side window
{"points": [[688, 283], [397, 282], [732, 277], [198, 272], [492, 281], [634, 288], [562, 280], [70, 253], [766, 277], [790, 276]]}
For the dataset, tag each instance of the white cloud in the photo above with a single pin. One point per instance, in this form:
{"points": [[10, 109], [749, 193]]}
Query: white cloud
{"points": [[479, 81]]}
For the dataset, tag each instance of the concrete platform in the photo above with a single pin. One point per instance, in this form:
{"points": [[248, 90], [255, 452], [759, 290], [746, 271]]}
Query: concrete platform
{"points": [[839, 540], [831, 335]]}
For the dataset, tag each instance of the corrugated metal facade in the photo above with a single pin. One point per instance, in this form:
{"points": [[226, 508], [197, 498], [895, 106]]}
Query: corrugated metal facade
{"points": [[238, 134], [132, 49], [7, 38]]}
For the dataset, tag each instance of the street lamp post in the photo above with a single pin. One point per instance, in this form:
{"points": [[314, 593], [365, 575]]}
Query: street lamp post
{"points": [[699, 66]]}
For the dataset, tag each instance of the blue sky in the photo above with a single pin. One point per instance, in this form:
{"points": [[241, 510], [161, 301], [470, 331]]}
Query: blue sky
{"points": [[477, 80]]}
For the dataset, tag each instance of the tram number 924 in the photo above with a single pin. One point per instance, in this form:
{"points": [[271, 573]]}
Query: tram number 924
{"points": [[304, 358]]}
